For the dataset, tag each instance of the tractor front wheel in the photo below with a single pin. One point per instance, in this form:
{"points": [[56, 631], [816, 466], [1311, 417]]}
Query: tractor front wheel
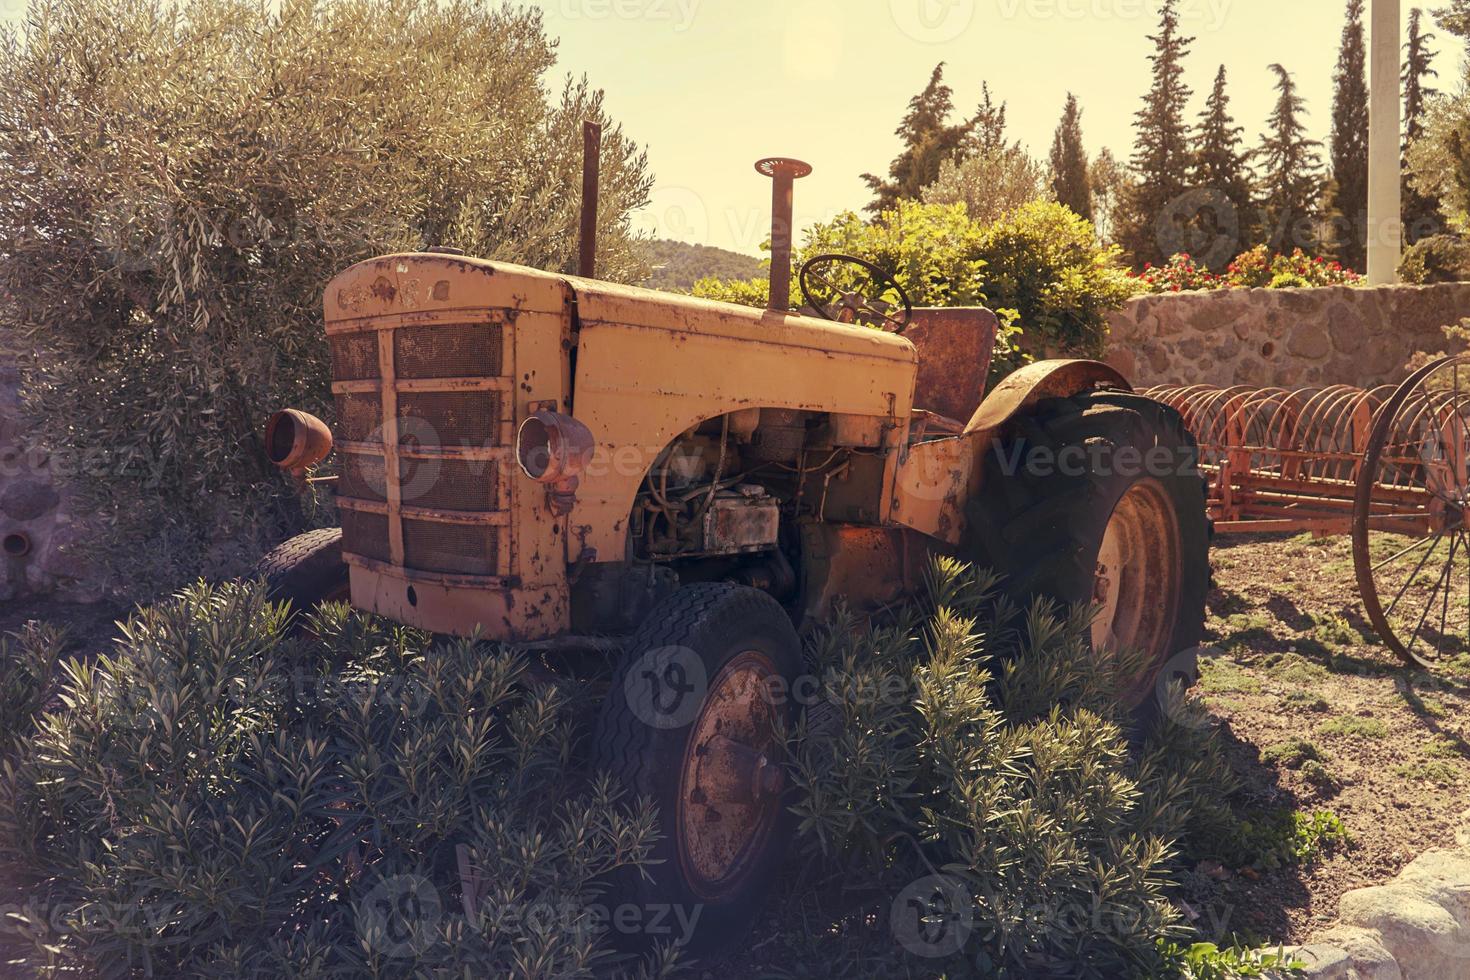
{"points": [[1097, 499], [693, 721], [307, 570]]}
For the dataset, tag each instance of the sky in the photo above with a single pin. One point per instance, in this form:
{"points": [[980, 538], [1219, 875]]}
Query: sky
{"points": [[710, 86]]}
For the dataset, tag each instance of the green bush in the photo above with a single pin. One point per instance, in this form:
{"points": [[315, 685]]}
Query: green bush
{"points": [[219, 799], [1439, 258], [193, 175], [1004, 775], [1039, 267], [29, 660], [1043, 261]]}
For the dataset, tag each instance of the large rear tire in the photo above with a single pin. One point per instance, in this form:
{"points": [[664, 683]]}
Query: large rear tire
{"points": [[1098, 499], [692, 721]]}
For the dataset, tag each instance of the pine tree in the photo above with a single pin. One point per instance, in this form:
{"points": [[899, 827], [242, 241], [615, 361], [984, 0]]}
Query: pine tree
{"points": [[1290, 167], [1347, 196], [1421, 215], [929, 139], [1222, 171], [1069, 179], [1161, 153], [1455, 18]]}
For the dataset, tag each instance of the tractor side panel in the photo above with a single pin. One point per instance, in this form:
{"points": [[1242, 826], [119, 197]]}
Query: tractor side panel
{"points": [[650, 367]]}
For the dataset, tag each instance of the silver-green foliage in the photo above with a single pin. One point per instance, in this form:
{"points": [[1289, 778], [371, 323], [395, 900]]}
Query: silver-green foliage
{"points": [[983, 743], [182, 179], [217, 798]]}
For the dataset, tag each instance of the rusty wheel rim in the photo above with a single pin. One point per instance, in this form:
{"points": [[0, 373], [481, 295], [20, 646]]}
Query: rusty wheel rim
{"points": [[731, 782], [1137, 580]]}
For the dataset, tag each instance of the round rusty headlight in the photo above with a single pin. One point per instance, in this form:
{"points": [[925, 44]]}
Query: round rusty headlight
{"points": [[296, 441], [552, 447]]}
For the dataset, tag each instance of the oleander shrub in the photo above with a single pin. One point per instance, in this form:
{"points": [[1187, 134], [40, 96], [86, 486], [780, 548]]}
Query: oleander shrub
{"points": [[188, 176], [217, 798], [976, 763], [29, 659]]}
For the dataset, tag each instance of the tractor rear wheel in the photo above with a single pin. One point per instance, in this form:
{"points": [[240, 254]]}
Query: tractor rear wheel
{"points": [[307, 570], [1097, 499], [693, 721]]}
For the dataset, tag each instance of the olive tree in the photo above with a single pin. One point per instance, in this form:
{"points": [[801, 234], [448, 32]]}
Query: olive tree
{"points": [[181, 180]]}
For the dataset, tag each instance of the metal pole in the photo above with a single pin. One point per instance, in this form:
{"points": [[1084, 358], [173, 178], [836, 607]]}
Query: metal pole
{"points": [[591, 169], [1385, 231], [784, 174]]}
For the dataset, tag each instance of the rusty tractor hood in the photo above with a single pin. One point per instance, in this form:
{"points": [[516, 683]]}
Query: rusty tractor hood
{"points": [[420, 283]]}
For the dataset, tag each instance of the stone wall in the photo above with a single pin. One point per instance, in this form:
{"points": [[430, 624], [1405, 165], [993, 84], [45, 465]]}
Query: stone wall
{"points": [[1283, 337], [37, 530]]}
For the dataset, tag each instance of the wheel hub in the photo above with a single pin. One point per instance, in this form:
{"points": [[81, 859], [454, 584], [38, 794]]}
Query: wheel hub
{"points": [[1136, 585], [731, 784]]}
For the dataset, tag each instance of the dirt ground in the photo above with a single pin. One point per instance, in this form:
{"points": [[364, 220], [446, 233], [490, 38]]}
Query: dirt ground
{"points": [[1384, 748], [1381, 746]]}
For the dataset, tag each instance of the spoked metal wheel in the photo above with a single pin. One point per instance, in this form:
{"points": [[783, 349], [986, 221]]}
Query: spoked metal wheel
{"points": [[1139, 573], [1411, 536], [731, 785]]}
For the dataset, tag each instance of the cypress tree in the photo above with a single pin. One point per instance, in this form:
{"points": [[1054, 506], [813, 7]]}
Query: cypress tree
{"points": [[1421, 215], [1290, 168], [1221, 169], [929, 139], [1347, 197], [987, 127], [1161, 152], [1070, 183]]}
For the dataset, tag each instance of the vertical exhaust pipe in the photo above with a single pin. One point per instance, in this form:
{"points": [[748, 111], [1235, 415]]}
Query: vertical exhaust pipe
{"points": [[591, 171], [784, 173]]}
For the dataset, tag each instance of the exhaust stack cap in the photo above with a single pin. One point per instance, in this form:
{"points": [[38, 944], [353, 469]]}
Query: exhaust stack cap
{"points": [[784, 172]]}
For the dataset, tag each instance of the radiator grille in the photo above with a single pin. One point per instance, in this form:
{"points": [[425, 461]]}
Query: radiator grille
{"points": [[355, 356], [360, 417], [470, 350], [450, 420], [448, 484], [363, 478], [457, 419], [365, 534], [450, 548]]}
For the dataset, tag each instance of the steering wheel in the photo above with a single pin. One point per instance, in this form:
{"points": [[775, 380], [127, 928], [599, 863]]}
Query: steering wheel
{"points": [[864, 304]]}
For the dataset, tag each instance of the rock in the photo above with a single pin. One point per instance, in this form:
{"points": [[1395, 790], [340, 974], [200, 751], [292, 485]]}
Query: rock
{"points": [[1368, 957], [1425, 939], [1321, 961], [1309, 340], [1346, 327], [28, 499]]}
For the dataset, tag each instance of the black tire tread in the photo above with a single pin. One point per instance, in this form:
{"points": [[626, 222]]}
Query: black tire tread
{"points": [[305, 568]]}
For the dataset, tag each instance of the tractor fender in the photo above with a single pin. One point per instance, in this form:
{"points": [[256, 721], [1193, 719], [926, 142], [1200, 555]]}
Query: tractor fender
{"points": [[1035, 382]]}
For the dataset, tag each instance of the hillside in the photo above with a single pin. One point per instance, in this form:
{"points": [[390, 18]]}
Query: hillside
{"points": [[679, 265]]}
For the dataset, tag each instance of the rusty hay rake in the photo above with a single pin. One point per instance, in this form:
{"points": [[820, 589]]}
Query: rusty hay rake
{"points": [[1386, 465]]}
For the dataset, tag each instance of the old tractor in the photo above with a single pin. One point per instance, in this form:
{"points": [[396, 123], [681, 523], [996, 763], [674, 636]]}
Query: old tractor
{"points": [[679, 487]]}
